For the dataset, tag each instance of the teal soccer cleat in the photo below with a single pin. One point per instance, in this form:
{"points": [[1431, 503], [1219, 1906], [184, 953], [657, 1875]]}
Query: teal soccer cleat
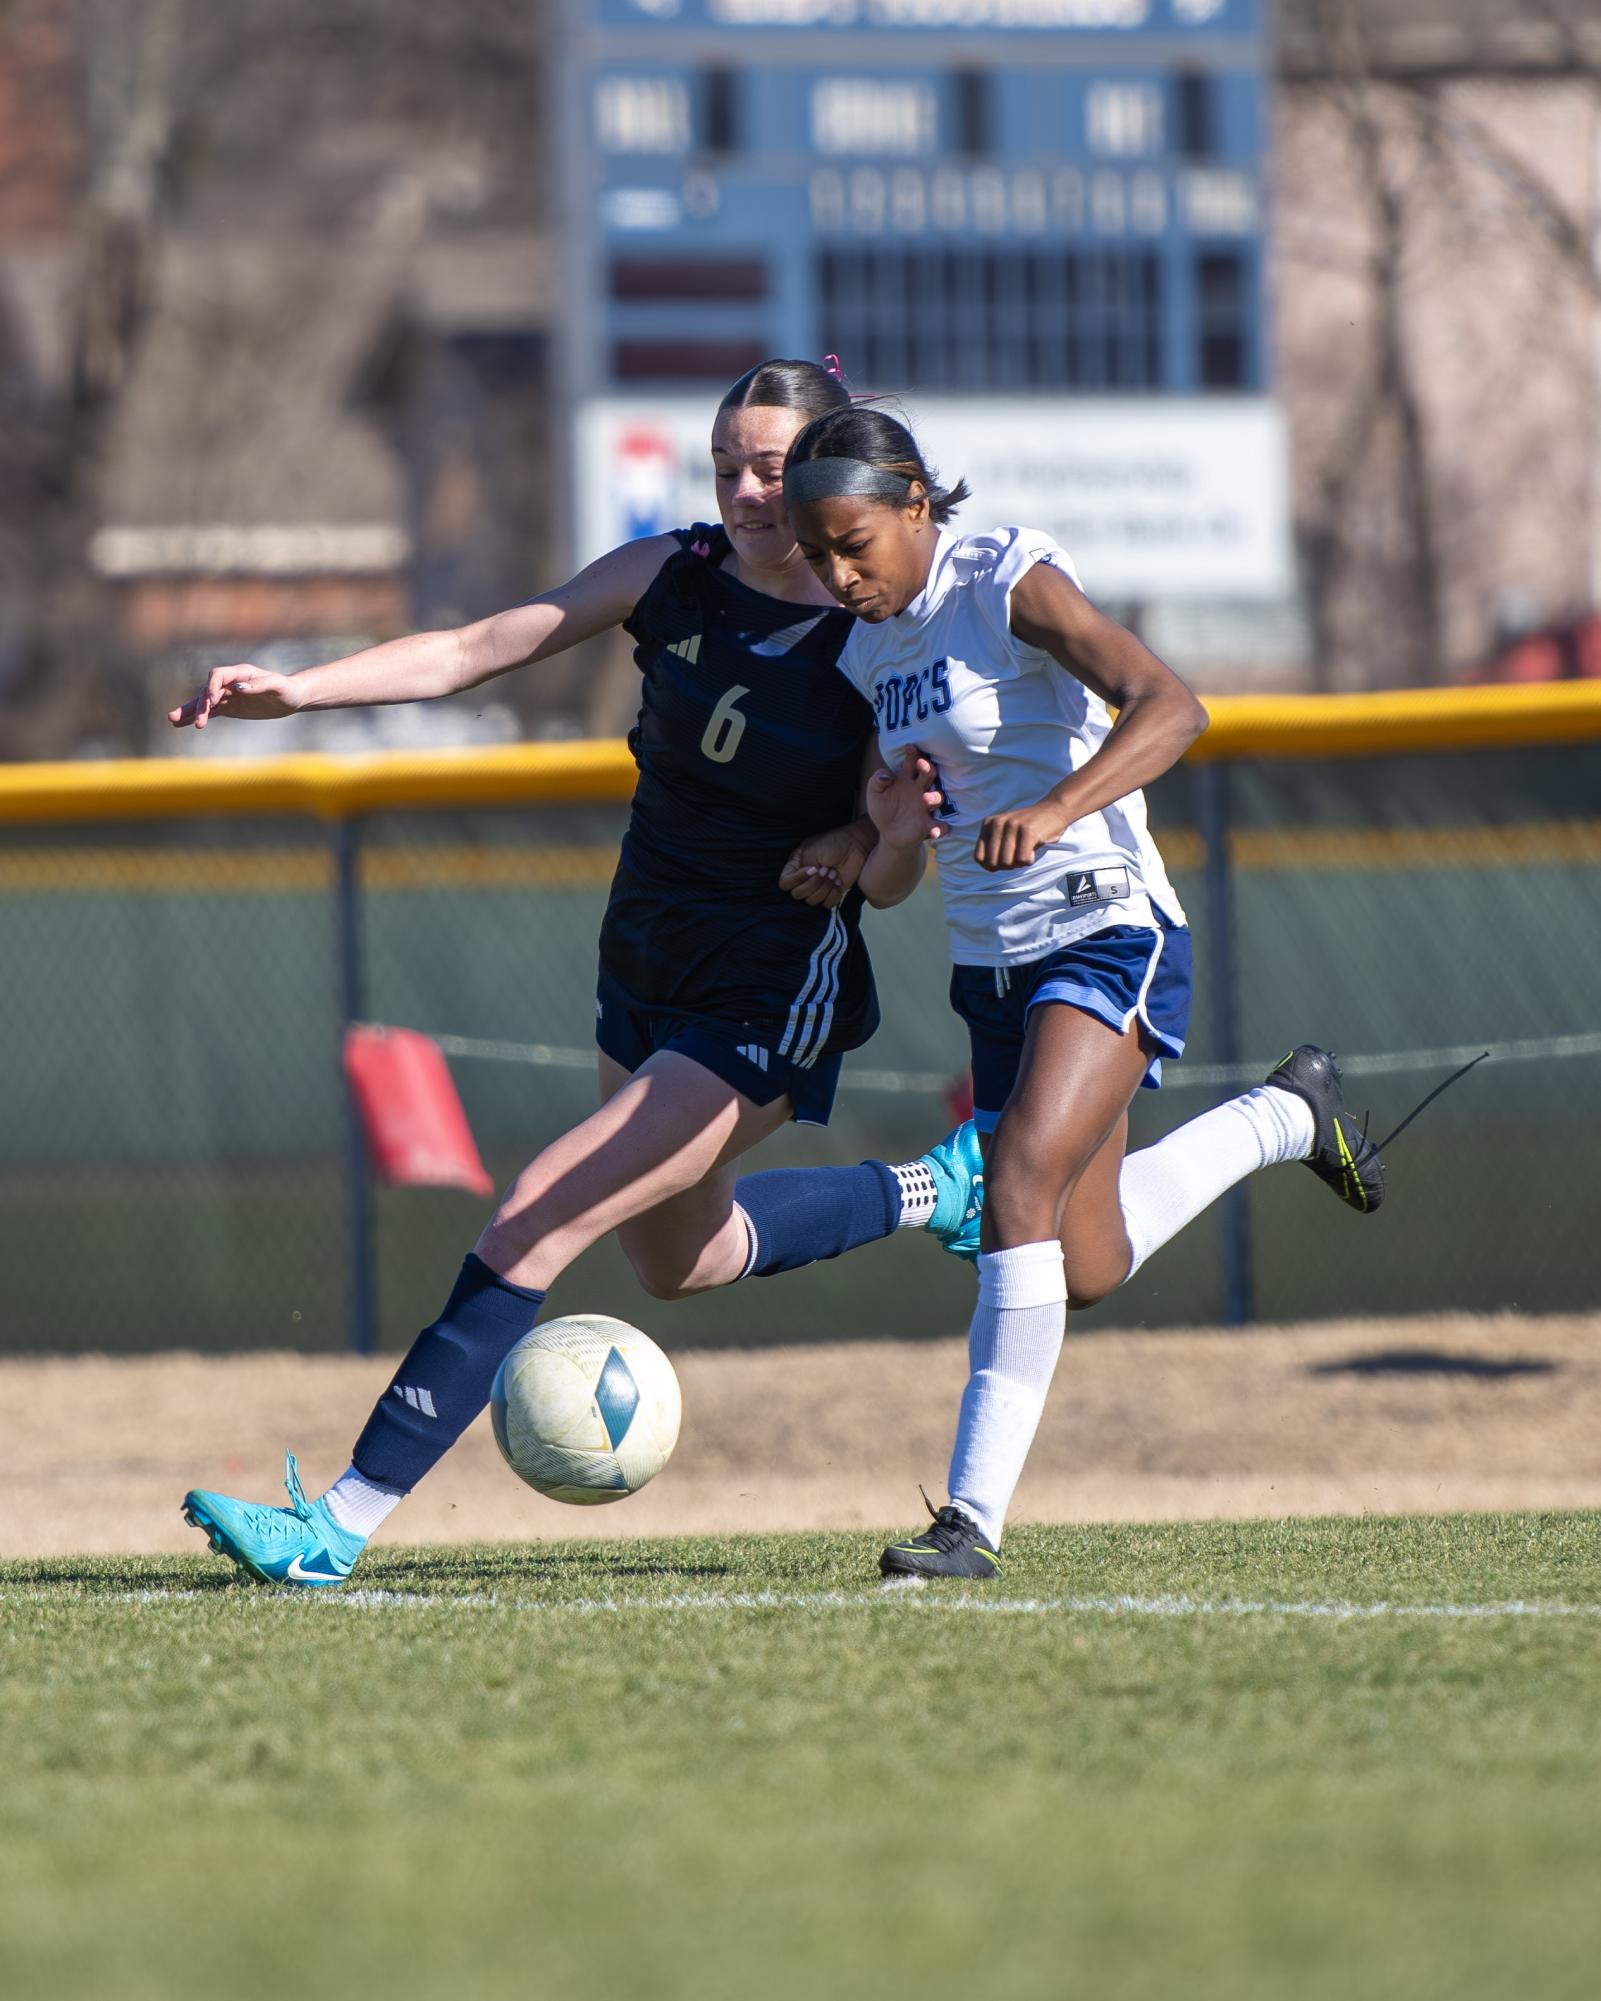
{"points": [[957, 1166], [301, 1544]]}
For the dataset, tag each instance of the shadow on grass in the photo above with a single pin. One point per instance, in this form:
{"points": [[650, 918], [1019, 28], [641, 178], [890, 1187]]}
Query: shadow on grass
{"points": [[1436, 1362], [576, 1564], [420, 1570], [110, 1574]]}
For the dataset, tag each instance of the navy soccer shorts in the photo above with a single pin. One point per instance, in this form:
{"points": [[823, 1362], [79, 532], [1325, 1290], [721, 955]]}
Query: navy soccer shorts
{"points": [[741, 1055], [1124, 975]]}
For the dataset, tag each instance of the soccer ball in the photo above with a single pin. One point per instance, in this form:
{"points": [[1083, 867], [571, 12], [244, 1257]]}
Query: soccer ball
{"points": [[586, 1409]]}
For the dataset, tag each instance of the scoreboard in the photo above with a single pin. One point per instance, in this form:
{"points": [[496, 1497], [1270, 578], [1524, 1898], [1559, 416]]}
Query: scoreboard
{"points": [[961, 195], [1017, 205]]}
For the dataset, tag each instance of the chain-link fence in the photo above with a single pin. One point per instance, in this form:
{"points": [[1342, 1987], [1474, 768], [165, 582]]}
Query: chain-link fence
{"points": [[179, 1165]]}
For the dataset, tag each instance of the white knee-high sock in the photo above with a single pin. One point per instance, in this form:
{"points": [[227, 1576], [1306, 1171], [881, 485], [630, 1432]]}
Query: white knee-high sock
{"points": [[1165, 1186], [1012, 1346]]}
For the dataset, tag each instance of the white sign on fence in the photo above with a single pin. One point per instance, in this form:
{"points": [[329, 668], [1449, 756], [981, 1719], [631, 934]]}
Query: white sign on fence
{"points": [[1155, 497]]}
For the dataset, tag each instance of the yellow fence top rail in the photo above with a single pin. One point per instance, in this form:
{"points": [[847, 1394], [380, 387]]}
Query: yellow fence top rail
{"points": [[1401, 720], [161, 788], [537, 774]]}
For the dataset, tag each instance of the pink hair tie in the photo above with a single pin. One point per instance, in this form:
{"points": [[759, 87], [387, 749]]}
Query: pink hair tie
{"points": [[831, 367]]}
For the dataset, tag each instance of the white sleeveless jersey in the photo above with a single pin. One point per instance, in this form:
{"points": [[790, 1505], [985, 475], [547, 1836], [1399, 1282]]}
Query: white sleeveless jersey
{"points": [[1004, 724]]}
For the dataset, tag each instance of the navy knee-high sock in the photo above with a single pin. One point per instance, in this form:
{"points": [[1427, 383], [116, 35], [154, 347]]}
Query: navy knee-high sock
{"points": [[445, 1380], [800, 1214]]}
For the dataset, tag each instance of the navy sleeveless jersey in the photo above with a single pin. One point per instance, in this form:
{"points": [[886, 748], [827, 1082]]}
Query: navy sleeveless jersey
{"points": [[749, 740]]}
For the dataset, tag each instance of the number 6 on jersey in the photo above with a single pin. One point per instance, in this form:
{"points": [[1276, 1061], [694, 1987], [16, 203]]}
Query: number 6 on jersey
{"points": [[725, 727]]}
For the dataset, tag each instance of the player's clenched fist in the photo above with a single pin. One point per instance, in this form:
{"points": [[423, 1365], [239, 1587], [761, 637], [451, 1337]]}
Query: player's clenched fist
{"points": [[1009, 840], [250, 693]]}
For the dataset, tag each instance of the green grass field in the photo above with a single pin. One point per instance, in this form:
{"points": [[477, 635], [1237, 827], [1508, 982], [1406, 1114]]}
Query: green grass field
{"points": [[1317, 1758]]}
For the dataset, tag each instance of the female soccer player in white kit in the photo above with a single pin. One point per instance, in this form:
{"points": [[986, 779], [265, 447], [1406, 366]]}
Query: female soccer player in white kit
{"points": [[980, 653]]}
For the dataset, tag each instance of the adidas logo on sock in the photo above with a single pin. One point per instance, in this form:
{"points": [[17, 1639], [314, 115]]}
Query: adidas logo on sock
{"points": [[418, 1399]]}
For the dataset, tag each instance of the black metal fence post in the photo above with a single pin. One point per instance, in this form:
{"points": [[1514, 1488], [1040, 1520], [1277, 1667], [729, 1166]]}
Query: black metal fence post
{"points": [[359, 1259], [1234, 1216]]}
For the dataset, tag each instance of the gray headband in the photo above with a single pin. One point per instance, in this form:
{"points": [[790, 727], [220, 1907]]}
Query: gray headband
{"points": [[837, 478]]}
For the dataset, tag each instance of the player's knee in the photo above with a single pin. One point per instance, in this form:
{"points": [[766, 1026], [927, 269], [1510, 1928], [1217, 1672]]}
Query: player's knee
{"points": [[661, 1283], [1022, 1199], [1095, 1277], [665, 1289], [1017, 1216], [664, 1277]]}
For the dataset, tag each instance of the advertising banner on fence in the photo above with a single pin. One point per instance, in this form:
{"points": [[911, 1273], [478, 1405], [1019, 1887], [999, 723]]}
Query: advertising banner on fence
{"points": [[1153, 498]]}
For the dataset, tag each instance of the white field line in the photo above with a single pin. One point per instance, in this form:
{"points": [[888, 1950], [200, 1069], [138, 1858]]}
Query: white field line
{"points": [[1179, 1076], [922, 1603]]}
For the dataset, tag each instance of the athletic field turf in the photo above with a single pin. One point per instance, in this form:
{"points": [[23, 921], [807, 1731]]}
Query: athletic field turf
{"points": [[1302, 1758]]}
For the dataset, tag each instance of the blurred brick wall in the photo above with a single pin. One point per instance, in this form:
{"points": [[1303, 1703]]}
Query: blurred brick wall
{"points": [[40, 122]]}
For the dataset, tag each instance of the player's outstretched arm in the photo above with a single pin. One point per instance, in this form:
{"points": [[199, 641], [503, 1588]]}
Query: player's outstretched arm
{"points": [[427, 664], [1157, 716]]}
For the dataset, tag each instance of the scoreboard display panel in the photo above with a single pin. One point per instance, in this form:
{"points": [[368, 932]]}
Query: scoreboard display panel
{"points": [[1004, 197]]}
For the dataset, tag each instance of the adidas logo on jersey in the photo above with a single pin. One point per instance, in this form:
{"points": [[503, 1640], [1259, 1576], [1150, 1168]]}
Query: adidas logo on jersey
{"points": [[422, 1400], [752, 1053], [687, 649]]}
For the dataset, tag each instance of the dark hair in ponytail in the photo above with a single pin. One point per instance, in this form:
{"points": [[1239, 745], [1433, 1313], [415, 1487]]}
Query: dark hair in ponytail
{"points": [[876, 439], [788, 385]]}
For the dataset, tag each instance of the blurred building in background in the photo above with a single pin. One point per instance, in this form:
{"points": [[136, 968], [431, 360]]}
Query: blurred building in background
{"points": [[323, 319]]}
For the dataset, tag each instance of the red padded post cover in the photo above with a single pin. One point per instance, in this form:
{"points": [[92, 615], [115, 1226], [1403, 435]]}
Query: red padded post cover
{"points": [[417, 1132]]}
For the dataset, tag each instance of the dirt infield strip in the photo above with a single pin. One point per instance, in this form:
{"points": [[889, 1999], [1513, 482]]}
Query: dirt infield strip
{"points": [[1433, 1414]]}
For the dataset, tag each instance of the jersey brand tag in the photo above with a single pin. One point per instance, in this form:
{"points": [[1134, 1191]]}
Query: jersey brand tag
{"points": [[1100, 885]]}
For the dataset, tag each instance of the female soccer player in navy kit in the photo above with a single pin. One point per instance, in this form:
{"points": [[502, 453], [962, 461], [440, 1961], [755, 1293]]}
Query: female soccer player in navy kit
{"points": [[981, 655], [725, 1002]]}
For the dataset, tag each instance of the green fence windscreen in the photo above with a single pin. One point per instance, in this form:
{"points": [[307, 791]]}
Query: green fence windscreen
{"points": [[172, 1171]]}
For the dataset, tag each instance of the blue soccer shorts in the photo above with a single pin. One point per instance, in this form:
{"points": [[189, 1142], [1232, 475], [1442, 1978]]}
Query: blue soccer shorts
{"points": [[1127, 974], [740, 1054]]}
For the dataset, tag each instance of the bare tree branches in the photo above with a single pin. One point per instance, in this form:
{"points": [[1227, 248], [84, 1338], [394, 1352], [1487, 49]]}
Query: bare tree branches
{"points": [[254, 177], [1438, 288]]}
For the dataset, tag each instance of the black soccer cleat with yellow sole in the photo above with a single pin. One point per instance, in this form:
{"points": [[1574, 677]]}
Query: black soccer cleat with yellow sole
{"points": [[951, 1546], [1342, 1154]]}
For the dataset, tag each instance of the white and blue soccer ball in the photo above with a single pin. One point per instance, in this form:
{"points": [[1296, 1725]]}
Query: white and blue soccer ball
{"points": [[586, 1409]]}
